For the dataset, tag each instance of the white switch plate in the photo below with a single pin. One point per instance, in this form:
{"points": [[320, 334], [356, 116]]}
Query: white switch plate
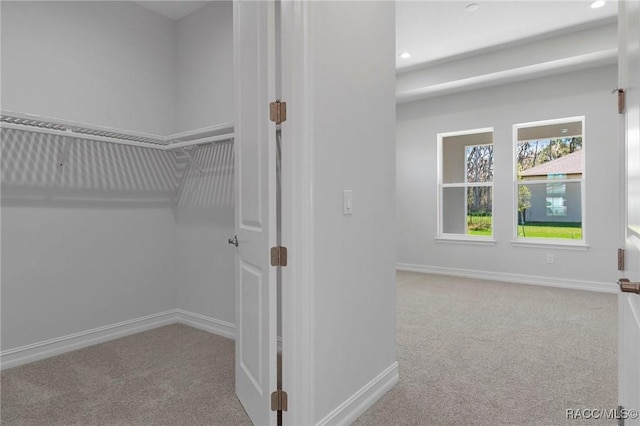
{"points": [[348, 201]]}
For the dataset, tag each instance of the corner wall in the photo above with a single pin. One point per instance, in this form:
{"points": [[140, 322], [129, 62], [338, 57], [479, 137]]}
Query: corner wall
{"points": [[351, 88], [204, 83], [205, 220], [205, 268], [105, 239], [585, 93], [82, 61]]}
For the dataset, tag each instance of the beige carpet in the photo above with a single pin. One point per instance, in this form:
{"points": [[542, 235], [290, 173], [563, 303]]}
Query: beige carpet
{"points": [[173, 375], [470, 352], [475, 352]]}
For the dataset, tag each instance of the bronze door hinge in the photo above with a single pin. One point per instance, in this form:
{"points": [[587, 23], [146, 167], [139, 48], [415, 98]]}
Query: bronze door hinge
{"points": [[279, 401], [620, 259], [622, 101], [278, 111], [278, 256]]}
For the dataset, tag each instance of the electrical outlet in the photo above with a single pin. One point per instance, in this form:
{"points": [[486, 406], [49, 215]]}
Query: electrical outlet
{"points": [[550, 258]]}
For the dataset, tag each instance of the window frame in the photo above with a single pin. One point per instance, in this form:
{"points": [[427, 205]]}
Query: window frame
{"points": [[453, 237], [556, 242]]}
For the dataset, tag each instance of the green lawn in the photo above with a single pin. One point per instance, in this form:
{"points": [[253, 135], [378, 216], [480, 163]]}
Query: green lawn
{"points": [[482, 225], [567, 230]]}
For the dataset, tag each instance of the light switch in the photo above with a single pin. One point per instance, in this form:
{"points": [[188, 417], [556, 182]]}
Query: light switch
{"points": [[348, 201]]}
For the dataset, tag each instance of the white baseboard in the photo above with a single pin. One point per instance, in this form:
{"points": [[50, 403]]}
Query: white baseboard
{"points": [[52, 347], [363, 399], [201, 322], [601, 287]]}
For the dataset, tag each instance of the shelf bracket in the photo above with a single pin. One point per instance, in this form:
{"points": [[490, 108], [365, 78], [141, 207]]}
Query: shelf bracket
{"points": [[192, 160]]}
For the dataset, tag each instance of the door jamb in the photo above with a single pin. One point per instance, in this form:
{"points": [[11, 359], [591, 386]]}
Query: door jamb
{"points": [[297, 215]]}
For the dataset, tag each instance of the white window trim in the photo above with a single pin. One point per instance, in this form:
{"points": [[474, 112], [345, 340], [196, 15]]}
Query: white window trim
{"points": [[460, 238], [549, 242]]}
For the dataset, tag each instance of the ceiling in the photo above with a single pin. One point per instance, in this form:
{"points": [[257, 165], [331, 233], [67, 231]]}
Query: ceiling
{"points": [[173, 9], [432, 31]]}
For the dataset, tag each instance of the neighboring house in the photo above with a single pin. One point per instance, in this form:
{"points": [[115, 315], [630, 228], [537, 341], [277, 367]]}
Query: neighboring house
{"points": [[556, 201]]}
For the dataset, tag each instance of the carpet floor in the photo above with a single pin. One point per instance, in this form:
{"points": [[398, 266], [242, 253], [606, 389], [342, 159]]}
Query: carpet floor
{"points": [[173, 375], [470, 352], [475, 352]]}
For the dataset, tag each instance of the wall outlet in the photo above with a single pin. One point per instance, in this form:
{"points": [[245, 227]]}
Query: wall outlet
{"points": [[550, 258]]}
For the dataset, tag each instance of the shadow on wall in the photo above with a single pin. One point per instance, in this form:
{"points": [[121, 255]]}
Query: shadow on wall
{"points": [[209, 183], [111, 174]]}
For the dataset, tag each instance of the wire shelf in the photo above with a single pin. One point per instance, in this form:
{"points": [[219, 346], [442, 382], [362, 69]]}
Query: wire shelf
{"points": [[62, 128], [30, 122]]}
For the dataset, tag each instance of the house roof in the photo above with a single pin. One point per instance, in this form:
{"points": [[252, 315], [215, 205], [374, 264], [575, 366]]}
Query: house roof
{"points": [[567, 165]]}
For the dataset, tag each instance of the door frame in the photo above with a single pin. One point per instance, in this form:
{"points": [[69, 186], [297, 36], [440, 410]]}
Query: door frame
{"points": [[297, 209]]}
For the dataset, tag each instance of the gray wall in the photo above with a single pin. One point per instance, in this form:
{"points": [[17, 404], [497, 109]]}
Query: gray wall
{"points": [[106, 239], [586, 93], [205, 267], [538, 210], [106, 63], [352, 95], [62, 274], [204, 94]]}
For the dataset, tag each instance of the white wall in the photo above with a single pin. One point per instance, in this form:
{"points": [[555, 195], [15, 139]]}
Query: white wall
{"points": [[105, 63], [85, 245], [204, 94], [67, 269], [106, 237], [92, 243], [585, 93], [351, 55], [205, 268]]}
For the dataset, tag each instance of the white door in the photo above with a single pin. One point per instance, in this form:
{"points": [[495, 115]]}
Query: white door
{"points": [[255, 181], [629, 303]]}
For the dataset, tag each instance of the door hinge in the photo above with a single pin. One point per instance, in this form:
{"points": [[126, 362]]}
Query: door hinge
{"points": [[620, 259], [278, 256], [279, 401], [621, 100], [278, 111]]}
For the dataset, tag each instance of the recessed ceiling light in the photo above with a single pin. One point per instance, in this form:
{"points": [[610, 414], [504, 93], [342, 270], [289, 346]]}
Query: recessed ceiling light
{"points": [[472, 7], [405, 55], [598, 3]]}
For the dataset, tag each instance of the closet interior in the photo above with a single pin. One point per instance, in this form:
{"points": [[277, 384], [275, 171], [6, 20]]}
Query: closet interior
{"points": [[117, 172]]}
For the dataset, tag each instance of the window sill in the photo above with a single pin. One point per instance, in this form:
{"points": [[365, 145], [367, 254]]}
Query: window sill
{"points": [[479, 241], [551, 244]]}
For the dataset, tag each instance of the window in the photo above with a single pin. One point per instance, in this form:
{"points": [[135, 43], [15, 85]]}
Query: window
{"points": [[466, 183], [549, 169]]}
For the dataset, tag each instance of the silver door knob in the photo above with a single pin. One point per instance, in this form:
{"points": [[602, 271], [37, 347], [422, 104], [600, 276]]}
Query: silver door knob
{"points": [[233, 240]]}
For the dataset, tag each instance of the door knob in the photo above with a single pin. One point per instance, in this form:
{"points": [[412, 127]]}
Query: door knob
{"points": [[627, 286], [233, 240]]}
